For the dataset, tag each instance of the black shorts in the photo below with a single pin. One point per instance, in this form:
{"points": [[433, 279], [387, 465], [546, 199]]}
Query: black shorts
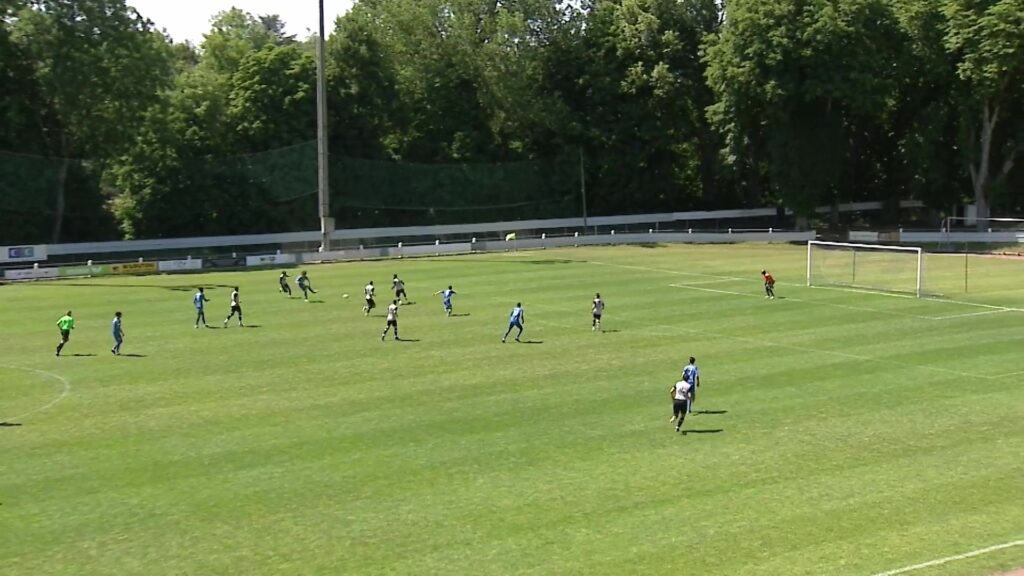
{"points": [[370, 303], [65, 335], [680, 407], [400, 293], [393, 323], [236, 308], [597, 316]]}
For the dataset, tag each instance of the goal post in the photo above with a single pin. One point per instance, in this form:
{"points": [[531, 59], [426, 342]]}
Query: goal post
{"points": [[866, 266]]}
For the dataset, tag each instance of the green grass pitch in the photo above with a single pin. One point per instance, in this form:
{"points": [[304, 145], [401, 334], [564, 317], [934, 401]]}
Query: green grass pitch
{"points": [[853, 433]]}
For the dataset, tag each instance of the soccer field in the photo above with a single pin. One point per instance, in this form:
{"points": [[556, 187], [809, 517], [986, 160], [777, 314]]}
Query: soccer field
{"points": [[843, 433]]}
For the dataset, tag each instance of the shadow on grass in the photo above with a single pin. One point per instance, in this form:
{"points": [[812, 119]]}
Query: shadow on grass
{"points": [[503, 261], [407, 340], [460, 315], [9, 424], [252, 326], [80, 355], [710, 411], [529, 341], [704, 431], [610, 331], [176, 288], [133, 355]]}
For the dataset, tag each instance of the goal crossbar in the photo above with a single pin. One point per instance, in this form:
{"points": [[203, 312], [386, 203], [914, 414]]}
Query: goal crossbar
{"points": [[916, 251]]}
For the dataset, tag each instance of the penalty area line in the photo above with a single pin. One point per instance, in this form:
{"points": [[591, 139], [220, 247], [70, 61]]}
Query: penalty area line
{"points": [[948, 559]]}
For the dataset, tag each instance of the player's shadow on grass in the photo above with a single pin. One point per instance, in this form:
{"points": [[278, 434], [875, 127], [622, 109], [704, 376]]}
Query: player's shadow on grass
{"points": [[315, 302], [133, 355], [407, 339], [9, 424], [610, 331], [705, 431], [460, 315], [252, 326], [530, 342], [81, 355], [710, 411]]}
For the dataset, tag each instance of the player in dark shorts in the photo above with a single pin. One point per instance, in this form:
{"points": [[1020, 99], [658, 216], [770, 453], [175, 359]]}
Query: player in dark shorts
{"points": [[368, 291], [399, 287], [236, 308], [283, 280], [680, 392], [66, 324], [392, 320]]}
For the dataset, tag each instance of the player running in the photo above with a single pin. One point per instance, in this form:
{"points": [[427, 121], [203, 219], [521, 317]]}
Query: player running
{"points": [[691, 375], [304, 285], [515, 320], [370, 304], [446, 299], [118, 333], [681, 400], [283, 281], [236, 306], [399, 288], [769, 285], [66, 324], [597, 310], [392, 320], [198, 300]]}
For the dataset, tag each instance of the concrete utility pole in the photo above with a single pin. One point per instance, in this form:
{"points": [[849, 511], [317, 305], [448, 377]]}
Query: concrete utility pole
{"points": [[326, 222]]}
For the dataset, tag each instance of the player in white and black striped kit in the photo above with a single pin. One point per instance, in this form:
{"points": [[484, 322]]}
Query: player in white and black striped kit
{"points": [[597, 309], [399, 288], [680, 392], [370, 304], [392, 320], [236, 306]]}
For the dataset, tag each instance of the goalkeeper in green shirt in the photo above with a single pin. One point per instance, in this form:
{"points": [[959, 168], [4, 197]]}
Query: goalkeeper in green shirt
{"points": [[66, 324]]}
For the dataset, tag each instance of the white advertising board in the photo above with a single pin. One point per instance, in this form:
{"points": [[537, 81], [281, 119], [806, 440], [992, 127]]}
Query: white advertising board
{"points": [[180, 265], [30, 273], [270, 260], [23, 253]]}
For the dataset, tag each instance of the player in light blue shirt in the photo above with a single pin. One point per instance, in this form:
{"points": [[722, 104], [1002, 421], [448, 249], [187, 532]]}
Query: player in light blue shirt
{"points": [[446, 299], [198, 301], [691, 374], [117, 333], [515, 320]]}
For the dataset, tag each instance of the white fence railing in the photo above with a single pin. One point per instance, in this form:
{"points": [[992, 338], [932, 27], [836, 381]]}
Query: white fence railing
{"points": [[368, 235], [401, 250]]}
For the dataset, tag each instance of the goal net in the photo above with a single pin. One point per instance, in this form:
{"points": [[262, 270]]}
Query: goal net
{"points": [[865, 266]]}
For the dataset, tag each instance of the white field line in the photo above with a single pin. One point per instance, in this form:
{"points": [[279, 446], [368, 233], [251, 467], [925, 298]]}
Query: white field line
{"points": [[969, 314], [802, 285], [816, 303], [759, 341], [1008, 374], [948, 559], [63, 393], [840, 288]]}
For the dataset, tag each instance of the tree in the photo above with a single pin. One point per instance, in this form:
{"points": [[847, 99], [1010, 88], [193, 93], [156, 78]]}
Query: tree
{"points": [[987, 40], [98, 64], [796, 82], [235, 33]]}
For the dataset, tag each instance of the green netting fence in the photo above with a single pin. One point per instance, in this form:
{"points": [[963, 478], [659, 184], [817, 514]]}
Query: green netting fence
{"points": [[57, 200]]}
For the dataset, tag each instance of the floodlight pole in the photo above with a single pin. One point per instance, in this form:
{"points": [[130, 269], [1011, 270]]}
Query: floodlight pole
{"points": [[326, 222], [583, 189]]}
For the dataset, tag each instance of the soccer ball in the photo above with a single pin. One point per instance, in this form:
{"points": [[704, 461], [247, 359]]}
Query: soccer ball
{"points": [[344, 295]]}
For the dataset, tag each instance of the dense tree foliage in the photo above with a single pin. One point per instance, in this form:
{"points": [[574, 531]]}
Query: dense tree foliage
{"points": [[108, 129]]}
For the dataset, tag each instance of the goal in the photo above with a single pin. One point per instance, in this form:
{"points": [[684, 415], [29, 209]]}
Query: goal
{"points": [[866, 266]]}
